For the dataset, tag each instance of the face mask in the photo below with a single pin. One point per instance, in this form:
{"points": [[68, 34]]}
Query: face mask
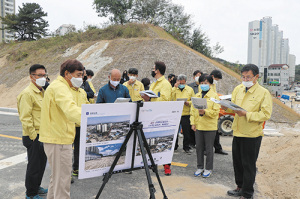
{"points": [[204, 87], [215, 81], [114, 83], [132, 77], [181, 86], [41, 81], [197, 79], [76, 82], [153, 73], [248, 84], [89, 79]]}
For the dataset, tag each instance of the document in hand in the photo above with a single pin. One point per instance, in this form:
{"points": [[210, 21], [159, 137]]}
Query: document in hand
{"points": [[228, 104], [150, 93], [199, 103], [182, 99], [122, 100]]}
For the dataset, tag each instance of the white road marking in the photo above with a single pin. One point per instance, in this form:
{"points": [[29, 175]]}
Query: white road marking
{"points": [[8, 113], [13, 160]]}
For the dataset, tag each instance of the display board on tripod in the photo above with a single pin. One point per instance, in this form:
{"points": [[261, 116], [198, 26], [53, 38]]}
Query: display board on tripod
{"points": [[105, 126]]}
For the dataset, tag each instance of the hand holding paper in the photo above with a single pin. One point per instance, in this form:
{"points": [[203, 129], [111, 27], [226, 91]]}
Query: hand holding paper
{"points": [[228, 104]]}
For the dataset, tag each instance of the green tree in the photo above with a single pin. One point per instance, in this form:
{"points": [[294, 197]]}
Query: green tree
{"points": [[200, 42], [119, 9], [28, 23]]}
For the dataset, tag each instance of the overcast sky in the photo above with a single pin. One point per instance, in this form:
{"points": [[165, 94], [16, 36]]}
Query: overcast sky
{"points": [[224, 21]]}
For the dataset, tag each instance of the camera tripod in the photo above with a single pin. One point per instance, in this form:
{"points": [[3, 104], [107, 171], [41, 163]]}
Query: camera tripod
{"points": [[136, 128]]}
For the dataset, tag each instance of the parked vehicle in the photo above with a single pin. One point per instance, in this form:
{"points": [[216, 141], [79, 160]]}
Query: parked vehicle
{"points": [[297, 96]]}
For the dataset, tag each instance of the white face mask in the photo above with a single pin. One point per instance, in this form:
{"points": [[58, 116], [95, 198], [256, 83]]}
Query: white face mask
{"points": [[197, 79], [41, 81], [89, 79], [215, 81], [76, 82], [114, 83], [248, 84], [132, 77]]}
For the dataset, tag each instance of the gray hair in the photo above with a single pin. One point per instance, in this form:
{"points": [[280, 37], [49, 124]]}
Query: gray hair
{"points": [[181, 77]]}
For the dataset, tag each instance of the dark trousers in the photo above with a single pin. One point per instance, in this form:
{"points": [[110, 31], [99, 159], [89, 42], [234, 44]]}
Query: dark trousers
{"points": [[76, 149], [204, 142], [244, 154], [186, 130], [37, 160], [176, 144], [217, 144]]}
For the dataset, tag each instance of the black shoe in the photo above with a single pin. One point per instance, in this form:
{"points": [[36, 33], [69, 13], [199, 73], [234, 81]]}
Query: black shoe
{"points": [[192, 146], [242, 197], [221, 152], [236, 192], [187, 151]]}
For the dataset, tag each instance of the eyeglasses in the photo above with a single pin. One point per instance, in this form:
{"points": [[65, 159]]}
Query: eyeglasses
{"points": [[247, 78], [40, 75]]}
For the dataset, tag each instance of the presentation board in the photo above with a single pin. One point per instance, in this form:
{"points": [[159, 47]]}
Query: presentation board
{"points": [[105, 126]]}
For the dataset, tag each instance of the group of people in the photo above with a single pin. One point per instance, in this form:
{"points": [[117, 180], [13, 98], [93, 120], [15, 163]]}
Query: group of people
{"points": [[51, 120]]}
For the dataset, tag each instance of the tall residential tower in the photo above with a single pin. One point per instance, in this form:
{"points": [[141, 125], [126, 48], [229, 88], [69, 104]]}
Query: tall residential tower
{"points": [[6, 7]]}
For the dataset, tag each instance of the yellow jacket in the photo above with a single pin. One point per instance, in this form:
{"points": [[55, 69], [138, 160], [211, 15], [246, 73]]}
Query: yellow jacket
{"points": [[92, 100], [29, 108], [187, 92], [162, 88], [235, 90], [80, 97], [213, 87], [209, 121], [59, 114], [258, 104], [134, 90]]}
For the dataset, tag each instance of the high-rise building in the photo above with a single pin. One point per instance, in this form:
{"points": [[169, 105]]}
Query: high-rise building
{"points": [[292, 63], [6, 7], [266, 46]]}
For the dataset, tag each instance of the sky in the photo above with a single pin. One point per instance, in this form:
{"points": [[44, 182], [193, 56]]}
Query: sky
{"points": [[224, 21], [107, 119]]}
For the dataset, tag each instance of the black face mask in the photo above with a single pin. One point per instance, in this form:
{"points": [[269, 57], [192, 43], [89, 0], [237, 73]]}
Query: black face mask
{"points": [[153, 73], [84, 78]]}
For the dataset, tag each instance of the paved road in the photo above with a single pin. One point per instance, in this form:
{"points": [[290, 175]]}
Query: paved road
{"points": [[181, 184]]}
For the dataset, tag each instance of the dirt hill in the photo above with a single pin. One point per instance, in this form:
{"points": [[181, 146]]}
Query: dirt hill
{"points": [[122, 47]]}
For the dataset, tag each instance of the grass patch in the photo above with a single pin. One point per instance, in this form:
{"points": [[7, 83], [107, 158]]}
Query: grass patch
{"points": [[20, 50]]}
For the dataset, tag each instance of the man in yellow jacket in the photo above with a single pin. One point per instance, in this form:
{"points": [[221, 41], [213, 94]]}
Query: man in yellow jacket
{"points": [[29, 108], [162, 88], [90, 75], [80, 97], [183, 91], [248, 129], [134, 86], [59, 115]]}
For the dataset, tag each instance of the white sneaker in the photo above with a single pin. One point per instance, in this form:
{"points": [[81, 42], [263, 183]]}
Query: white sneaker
{"points": [[180, 135], [207, 173], [198, 172]]}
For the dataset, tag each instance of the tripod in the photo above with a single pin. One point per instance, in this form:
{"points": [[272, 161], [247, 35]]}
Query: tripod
{"points": [[136, 128]]}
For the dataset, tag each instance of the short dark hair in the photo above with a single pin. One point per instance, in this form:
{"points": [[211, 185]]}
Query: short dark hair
{"points": [[159, 65], [89, 73], [145, 81], [251, 67], [170, 76], [207, 77], [133, 71], [71, 65], [216, 73], [34, 67], [196, 72]]}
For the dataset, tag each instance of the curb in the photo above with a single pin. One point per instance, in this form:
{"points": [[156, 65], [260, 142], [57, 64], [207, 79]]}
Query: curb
{"points": [[11, 110]]}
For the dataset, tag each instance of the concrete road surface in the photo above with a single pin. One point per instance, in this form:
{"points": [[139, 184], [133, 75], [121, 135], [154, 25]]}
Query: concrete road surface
{"points": [[181, 184]]}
